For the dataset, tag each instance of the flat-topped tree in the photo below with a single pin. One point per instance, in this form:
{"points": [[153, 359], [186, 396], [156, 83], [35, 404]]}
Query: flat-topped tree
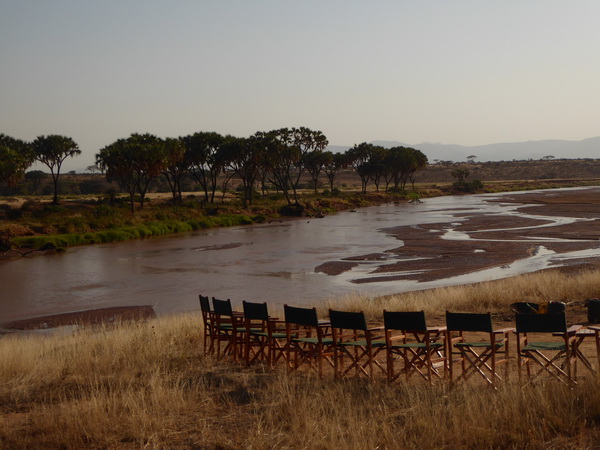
{"points": [[51, 151]]}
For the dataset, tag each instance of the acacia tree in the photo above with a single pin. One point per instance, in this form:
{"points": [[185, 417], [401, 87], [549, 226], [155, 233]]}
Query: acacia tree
{"points": [[52, 151], [403, 163], [286, 156], [203, 160], [280, 159], [376, 166], [133, 163], [174, 166], [359, 156], [315, 163], [334, 162], [418, 162], [15, 158], [460, 174], [244, 157]]}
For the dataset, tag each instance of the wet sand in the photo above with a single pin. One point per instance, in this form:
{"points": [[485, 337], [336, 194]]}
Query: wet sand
{"points": [[426, 256]]}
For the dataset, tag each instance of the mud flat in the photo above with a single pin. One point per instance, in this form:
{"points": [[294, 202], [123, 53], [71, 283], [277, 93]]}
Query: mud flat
{"points": [[89, 317], [550, 222]]}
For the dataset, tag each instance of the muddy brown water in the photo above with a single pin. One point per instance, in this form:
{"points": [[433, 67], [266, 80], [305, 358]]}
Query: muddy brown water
{"points": [[275, 262]]}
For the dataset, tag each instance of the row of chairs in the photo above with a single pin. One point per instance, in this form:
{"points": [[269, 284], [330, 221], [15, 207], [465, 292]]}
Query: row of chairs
{"points": [[405, 346]]}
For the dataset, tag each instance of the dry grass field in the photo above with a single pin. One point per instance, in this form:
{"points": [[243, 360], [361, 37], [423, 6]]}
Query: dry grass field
{"points": [[147, 384]]}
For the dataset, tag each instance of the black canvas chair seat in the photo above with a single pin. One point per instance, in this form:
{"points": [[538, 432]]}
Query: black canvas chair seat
{"points": [[532, 346]]}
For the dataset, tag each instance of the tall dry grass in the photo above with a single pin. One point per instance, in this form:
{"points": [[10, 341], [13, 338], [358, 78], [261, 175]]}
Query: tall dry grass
{"points": [[493, 296], [147, 384]]}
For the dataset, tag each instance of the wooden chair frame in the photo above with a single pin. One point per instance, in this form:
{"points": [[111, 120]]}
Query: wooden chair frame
{"points": [[229, 329], [596, 330], [421, 348], [208, 319], [308, 342], [263, 340], [477, 356], [352, 338], [556, 359]]}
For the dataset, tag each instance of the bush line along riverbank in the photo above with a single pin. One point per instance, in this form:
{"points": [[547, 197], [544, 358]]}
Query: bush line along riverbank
{"points": [[37, 225]]}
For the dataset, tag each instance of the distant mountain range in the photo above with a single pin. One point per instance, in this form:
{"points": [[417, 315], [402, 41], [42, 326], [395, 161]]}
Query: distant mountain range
{"points": [[508, 151]]}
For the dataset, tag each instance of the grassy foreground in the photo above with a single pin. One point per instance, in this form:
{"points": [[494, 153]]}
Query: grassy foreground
{"points": [[147, 384]]}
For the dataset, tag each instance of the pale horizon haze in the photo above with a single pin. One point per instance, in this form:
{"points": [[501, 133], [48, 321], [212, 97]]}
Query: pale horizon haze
{"points": [[460, 72]]}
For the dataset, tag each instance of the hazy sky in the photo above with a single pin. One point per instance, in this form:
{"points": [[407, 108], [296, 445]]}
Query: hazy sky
{"points": [[457, 72]]}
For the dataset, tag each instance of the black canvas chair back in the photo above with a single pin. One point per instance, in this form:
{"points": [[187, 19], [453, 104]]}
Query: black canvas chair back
{"points": [[222, 307], [541, 323], [556, 307], [411, 321], [306, 317], [204, 304], [593, 305], [256, 311], [469, 322], [347, 320]]}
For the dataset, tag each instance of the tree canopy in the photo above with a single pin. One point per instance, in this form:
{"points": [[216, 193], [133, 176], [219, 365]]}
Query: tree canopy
{"points": [[51, 151], [16, 157]]}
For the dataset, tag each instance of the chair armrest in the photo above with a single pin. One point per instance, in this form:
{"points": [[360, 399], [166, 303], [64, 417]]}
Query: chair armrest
{"points": [[437, 329], [376, 329], [504, 331], [594, 327], [573, 329]]}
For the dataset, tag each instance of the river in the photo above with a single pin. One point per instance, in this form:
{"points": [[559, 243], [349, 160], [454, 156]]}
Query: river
{"points": [[272, 262]]}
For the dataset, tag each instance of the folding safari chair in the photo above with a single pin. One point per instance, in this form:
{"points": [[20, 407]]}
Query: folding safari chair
{"points": [[480, 348], [554, 357], [353, 339], [308, 343], [421, 348], [229, 329], [208, 319], [263, 340]]}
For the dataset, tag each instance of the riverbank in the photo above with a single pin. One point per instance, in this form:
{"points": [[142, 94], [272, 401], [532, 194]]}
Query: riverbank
{"points": [[33, 226]]}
